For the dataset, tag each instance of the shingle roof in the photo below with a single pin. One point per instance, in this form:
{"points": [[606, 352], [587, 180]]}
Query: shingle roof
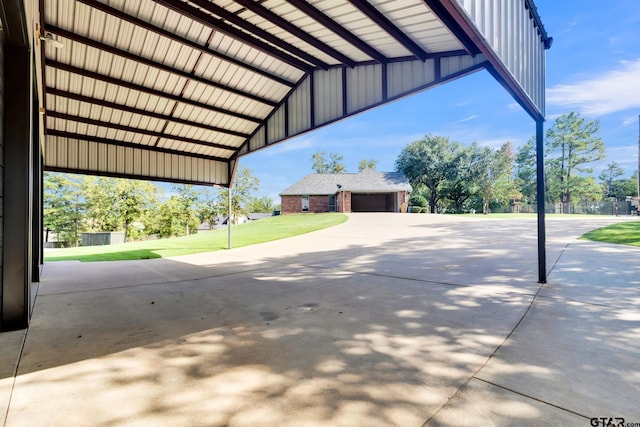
{"points": [[367, 181]]}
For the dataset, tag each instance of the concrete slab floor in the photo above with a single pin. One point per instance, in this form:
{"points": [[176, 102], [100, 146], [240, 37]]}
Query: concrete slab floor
{"points": [[384, 320], [10, 351]]}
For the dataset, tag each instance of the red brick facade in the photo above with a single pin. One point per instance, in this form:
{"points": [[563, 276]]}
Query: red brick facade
{"points": [[318, 204], [343, 201], [291, 204]]}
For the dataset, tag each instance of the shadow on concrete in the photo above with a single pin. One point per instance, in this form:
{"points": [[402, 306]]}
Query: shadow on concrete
{"points": [[378, 333]]}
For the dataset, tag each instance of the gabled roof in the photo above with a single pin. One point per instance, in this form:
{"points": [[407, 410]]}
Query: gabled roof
{"points": [[177, 90], [367, 181]]}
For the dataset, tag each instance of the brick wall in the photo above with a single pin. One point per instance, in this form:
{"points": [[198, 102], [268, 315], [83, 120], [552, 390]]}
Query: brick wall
{"points": [[318, 204], [293, 204], [347, 201], [290, 204]]}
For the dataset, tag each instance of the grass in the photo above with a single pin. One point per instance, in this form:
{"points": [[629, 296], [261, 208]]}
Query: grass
{"points": [[264, 230], [624, 233]]}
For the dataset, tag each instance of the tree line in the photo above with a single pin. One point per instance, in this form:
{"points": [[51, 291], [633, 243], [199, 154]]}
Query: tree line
{"points": [[320, 163], [74, 204], [448, 176]]}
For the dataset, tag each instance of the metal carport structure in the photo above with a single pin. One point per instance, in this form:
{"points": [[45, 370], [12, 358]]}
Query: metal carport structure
{"points": [[177, 91]]}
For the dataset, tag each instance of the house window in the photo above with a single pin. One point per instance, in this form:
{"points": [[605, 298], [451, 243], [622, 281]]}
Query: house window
{"points": [[305, 203]]}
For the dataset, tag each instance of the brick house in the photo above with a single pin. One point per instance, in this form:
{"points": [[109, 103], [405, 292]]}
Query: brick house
{"points": [[367, 191]]}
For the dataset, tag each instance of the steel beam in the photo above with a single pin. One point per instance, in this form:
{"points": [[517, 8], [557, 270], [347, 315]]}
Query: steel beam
{"points": [[158, 65], [108, 79], [172, 36], [146, 113], [18, 176], [444, 14], [267, 14], [217, 24], [37, 223], [383, 22], [540, 196], [338, 29], [259, 32], [106, 141], [108, 125]]}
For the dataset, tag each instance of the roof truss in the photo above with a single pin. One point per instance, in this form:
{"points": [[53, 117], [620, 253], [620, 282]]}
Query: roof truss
{"points": [[249, 74]]}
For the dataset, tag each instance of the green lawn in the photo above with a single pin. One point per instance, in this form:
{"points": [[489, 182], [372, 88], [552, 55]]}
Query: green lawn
{"points": [[624, 233], [264, 230]]}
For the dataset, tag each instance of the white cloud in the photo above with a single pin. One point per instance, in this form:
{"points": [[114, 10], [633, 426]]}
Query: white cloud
{"points": [[573, 23], [609, 92], [551, 117], [514, 106], [625, 155], [466, 119], [630, 121], [291, 145], [494, 143]]}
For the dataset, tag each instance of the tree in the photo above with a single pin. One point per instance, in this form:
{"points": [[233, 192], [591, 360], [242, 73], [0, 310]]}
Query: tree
{"points": [[260, 204], [244, 185], [133, 199], [607, 177], [496, 182], [621, 188], [320, 164], [187, 201], [171, 219], [428, 162], [525, 170], [586, 189], [367, 164], [630, 185], [461, 183], [101, 200], [115, 204], [208, 209], [572, 143], [63, 207]]}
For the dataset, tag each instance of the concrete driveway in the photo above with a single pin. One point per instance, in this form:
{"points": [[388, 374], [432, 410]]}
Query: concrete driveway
{"points": [[388, 319]]}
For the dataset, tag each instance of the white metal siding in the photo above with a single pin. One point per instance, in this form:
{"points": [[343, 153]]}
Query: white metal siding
{"points": [[300, 108], [257, 141], [328, 102], [127, 161], [511, 33], [404, 77], [276, 127], [364, 87], [455, 64]]}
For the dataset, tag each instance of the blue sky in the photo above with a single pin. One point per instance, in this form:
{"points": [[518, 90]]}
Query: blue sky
{"points": [[593, 67]]}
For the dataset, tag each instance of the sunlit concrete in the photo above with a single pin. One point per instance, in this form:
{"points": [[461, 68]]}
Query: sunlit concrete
{"points": [[388, 319]]}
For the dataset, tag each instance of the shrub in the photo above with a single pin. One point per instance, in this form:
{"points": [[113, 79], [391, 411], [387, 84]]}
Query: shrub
{"points": [[418, 200], [416, 209]]}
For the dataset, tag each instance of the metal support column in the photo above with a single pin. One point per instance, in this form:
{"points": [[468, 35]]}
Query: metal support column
{"points": [[542, 249], [229, 219], [18, 199], [37, 220]]}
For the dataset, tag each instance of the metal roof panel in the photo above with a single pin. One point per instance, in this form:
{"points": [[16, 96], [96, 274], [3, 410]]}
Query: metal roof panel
{"points": [[157, 66]]}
